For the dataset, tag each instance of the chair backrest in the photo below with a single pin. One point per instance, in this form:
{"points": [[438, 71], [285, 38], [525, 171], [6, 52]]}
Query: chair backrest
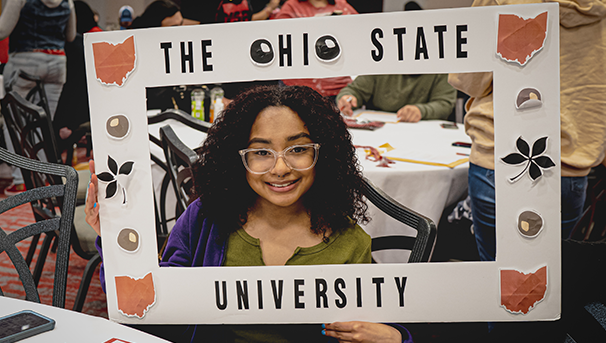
{"points": [[419, 246], [66, 191], [32, 136], [179, 160], [160, 204]]}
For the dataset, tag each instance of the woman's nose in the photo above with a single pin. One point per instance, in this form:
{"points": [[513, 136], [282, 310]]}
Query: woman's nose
{"points": [[281, 168]]}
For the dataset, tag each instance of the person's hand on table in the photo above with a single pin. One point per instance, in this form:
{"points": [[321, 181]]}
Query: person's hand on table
{"points": [[91, 208], [366, 332], [409, 114], [347, 103]]}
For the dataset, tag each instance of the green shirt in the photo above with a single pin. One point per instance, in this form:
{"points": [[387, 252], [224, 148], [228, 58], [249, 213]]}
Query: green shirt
{"points": [[431, 93], [351, 245]]}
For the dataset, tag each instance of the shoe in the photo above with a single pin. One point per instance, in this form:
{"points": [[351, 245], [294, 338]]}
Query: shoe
{"points": [[14, 189]]}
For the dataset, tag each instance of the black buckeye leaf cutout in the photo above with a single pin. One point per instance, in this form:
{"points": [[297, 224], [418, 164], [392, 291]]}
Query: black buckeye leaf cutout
{"points": [[111, 189], [105, 176], [523, 147], [535, 171], [544, 162], [126, 168], [113, 166], [539, 146], [534, 163], [514, 158]]}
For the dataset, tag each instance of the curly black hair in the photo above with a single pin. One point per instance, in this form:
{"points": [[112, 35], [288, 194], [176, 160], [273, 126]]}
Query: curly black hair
{"points": [[219, 175]]}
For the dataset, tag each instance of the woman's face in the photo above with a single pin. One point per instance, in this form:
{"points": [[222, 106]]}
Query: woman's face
{"points": [[278, 128]]}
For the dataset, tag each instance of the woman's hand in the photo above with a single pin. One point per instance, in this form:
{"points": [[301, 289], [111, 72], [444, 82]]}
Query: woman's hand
{"points": [[366, 332], [91, 208]]}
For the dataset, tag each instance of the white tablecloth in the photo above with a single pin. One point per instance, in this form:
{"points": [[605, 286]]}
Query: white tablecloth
{"points": [[71, 326], [426, 189]]}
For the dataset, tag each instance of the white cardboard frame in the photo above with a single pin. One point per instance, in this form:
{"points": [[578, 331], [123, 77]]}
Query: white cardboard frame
{"points": [[434, 292]]}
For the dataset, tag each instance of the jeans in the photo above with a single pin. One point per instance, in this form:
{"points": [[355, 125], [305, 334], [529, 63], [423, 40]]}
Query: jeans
{"points": [[482, 194], [52, 71]]}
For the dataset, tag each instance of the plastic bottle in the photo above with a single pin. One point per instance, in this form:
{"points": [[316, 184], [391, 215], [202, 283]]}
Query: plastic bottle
{"points": [[197, 103], [216, 102]]}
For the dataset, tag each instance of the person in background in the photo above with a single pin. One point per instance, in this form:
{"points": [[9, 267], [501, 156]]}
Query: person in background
{"points": [[582, 116], [264, 9], [310, 8], [38, 31], [582, 33], [126, 15], [85, 18], [197, 12], [160, 13], [411, 97], [96, 17], [230, 11], [314, 8], [73, 109], [243, 10]]}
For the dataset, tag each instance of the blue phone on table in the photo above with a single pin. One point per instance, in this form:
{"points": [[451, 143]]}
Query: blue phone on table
{"points": [[23, 324]]}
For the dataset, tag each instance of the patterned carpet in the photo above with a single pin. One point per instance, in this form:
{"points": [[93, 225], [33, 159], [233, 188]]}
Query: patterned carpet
{"points": [[10, 284]]}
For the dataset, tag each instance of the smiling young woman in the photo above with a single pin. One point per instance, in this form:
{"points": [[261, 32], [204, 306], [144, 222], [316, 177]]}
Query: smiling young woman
{"points": [[277, 183]]}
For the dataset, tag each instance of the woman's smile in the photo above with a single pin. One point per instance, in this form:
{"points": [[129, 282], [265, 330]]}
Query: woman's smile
{"points": [[283, 186]]}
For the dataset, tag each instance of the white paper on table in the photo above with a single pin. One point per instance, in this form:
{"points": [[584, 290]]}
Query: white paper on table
{"points": [[386, 117]]}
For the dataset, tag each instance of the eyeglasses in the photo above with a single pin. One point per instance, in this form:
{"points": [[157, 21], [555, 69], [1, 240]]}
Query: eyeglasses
{"points": [[297, 157]]}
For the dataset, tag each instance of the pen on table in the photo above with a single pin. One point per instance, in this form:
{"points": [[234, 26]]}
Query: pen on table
{"points": [[462, 154]]}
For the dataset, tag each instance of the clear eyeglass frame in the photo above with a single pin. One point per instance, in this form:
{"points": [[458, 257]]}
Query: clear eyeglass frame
{"points": [[277, 155]]}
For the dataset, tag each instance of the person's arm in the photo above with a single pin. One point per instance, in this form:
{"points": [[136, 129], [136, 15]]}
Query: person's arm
{"points": [[10, 17], [266, 12], [70, 28], [441, 100], [361, 89]]}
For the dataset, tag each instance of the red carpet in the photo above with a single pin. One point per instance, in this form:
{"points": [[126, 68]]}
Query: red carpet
{"points": [[95, 303]]}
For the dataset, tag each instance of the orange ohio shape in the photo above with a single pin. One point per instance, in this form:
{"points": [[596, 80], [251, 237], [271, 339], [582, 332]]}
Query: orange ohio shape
{"points": [[113, 63], [519, 39], [135, 296], [520, 292]]}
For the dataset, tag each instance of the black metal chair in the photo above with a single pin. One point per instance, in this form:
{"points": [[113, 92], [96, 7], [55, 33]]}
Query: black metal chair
{"points": [[162, 218], [63, 193], [179, 160], [420, 246], [32, 137]]}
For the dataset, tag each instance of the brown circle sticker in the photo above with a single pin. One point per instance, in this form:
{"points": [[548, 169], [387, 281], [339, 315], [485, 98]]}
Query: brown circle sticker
{"points": [[128, 239], [117, 126], [530, 224], [528, 98]]}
